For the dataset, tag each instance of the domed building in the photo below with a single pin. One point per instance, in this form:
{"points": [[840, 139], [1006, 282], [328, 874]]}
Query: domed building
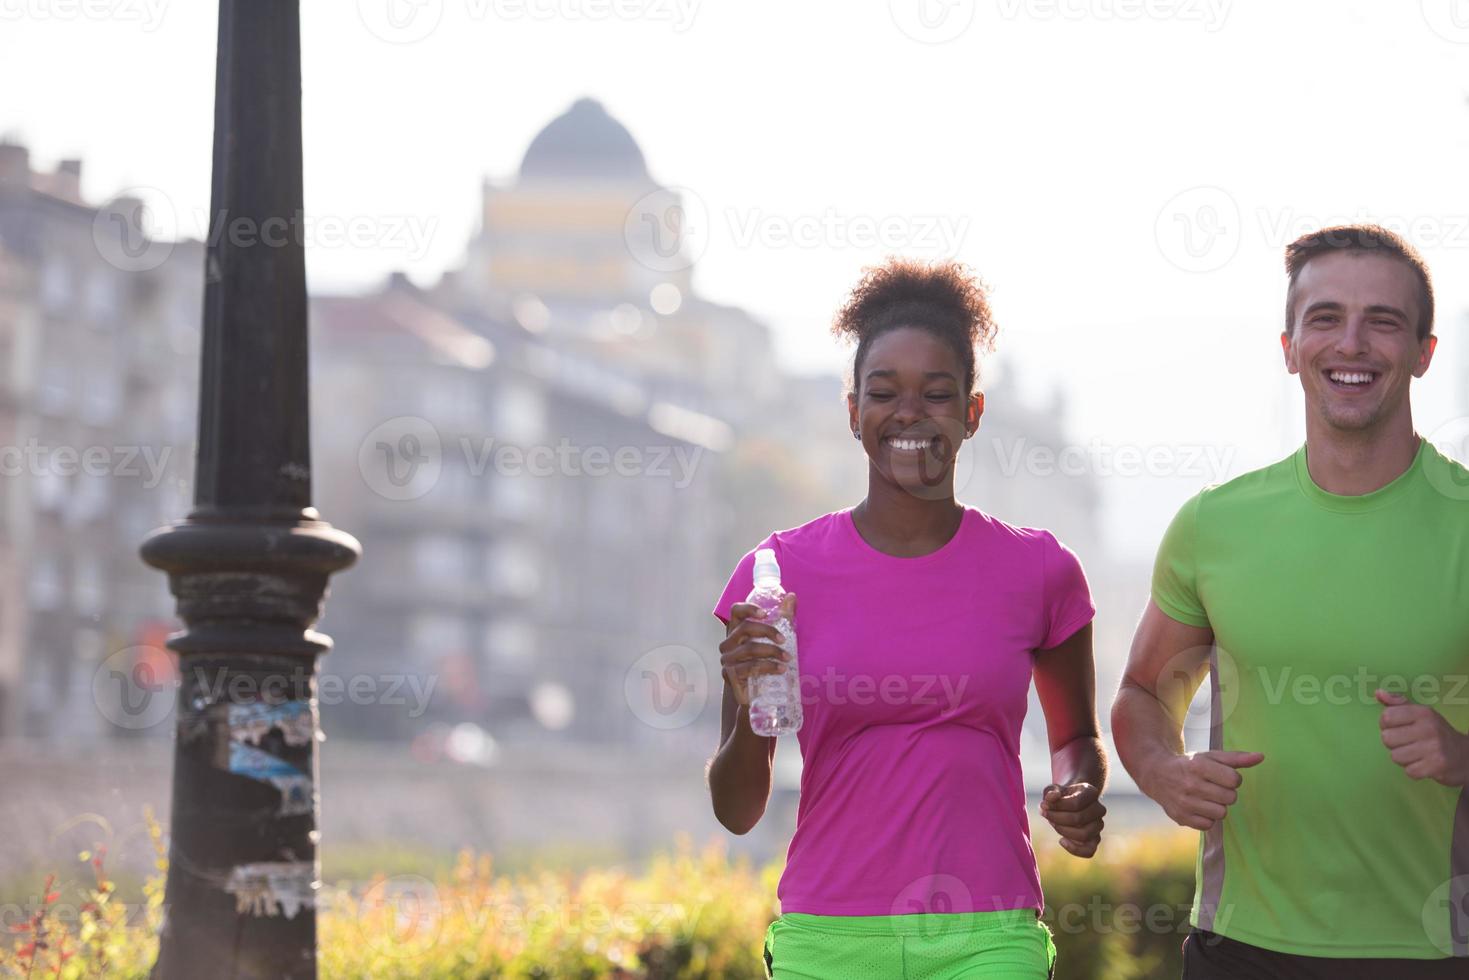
{"points": [[584, 143], [585, 247], [560, 230]]}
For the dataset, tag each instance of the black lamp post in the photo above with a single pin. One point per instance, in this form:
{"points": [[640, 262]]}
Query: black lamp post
{"points": [[249, 565]]}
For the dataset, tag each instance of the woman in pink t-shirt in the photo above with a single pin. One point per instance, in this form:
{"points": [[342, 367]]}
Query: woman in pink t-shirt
{"points": [[921, 624]]}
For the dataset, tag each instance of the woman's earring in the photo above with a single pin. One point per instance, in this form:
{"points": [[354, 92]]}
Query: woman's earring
{"points": [[856, 433]]}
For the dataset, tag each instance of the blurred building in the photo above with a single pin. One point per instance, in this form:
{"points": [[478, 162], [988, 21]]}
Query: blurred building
{"points": [[99, 333], [548, 456], [530, 596], [573, 321]]}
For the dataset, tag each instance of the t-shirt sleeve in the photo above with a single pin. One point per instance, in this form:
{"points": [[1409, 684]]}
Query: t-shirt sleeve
{"points": [[1175, 570], [742, 580], [1068, 598]]}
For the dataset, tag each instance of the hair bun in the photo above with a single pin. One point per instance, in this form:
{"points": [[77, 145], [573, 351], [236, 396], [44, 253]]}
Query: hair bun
{"points": [[945, 297]]}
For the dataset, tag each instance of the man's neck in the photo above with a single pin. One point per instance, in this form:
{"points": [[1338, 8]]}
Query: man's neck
{"points": [[1353, 463]]}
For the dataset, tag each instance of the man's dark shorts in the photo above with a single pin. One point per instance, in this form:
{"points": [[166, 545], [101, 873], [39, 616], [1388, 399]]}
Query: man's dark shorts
{"points": [[1209, 956]]}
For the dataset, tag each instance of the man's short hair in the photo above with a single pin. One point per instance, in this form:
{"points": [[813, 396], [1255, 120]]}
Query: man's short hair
{"points": [[1358, 239]]}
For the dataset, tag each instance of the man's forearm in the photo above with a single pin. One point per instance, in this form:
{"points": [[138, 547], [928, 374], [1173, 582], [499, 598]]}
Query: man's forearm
{"points": [[1144, 733]]}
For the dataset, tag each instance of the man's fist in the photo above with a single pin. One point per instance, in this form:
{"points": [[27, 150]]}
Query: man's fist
{"points": [[1075, 811], [1196, 789], [1422, 741]]}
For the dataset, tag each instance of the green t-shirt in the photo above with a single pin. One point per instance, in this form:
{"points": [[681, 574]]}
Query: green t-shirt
{"points": [[1316, 600]]}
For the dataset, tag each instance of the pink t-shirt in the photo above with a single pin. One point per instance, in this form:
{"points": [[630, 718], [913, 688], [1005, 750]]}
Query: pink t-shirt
{"points": [[914, 678]]}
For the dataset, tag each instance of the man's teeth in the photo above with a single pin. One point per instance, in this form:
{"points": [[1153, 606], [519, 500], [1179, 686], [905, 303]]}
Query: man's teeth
{"points": [[1351, 377], [908, 444]]}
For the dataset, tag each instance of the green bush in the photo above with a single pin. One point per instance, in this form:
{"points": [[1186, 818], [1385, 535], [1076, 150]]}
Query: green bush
{"points": [[693, 913]]}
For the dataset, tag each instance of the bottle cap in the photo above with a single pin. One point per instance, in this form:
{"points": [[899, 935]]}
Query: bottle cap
{"points": [[767, 569]]}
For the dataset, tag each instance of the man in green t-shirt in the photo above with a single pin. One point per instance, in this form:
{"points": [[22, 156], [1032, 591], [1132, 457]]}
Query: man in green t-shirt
{"points": [[1326, 598]]}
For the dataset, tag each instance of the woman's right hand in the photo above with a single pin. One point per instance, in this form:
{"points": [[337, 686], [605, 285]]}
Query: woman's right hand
{"points": [[753, 647]]}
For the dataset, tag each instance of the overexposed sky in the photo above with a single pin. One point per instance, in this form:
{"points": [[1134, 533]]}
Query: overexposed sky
{"points": [[1125, 173]]}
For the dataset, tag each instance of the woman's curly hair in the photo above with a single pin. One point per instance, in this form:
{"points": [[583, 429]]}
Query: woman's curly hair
{"points": [[946, 298]]}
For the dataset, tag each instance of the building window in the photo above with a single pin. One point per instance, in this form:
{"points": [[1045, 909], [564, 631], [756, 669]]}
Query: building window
{"points": [[434, 636], [53, 394], [55, 286], [513, 569], [510, 645], [520, 414], [50, 490], [441, 558], [47, 590], [89, 595]]}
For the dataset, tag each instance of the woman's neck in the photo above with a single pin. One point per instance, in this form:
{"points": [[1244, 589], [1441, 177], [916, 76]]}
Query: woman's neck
{"points": [[895, 521]]}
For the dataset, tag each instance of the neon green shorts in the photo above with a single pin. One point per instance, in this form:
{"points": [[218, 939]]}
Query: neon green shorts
{"points": [[1008, 945]]}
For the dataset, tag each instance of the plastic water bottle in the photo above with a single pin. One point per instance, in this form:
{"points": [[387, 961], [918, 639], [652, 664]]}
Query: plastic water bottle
{"points": [[775, 699]]}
